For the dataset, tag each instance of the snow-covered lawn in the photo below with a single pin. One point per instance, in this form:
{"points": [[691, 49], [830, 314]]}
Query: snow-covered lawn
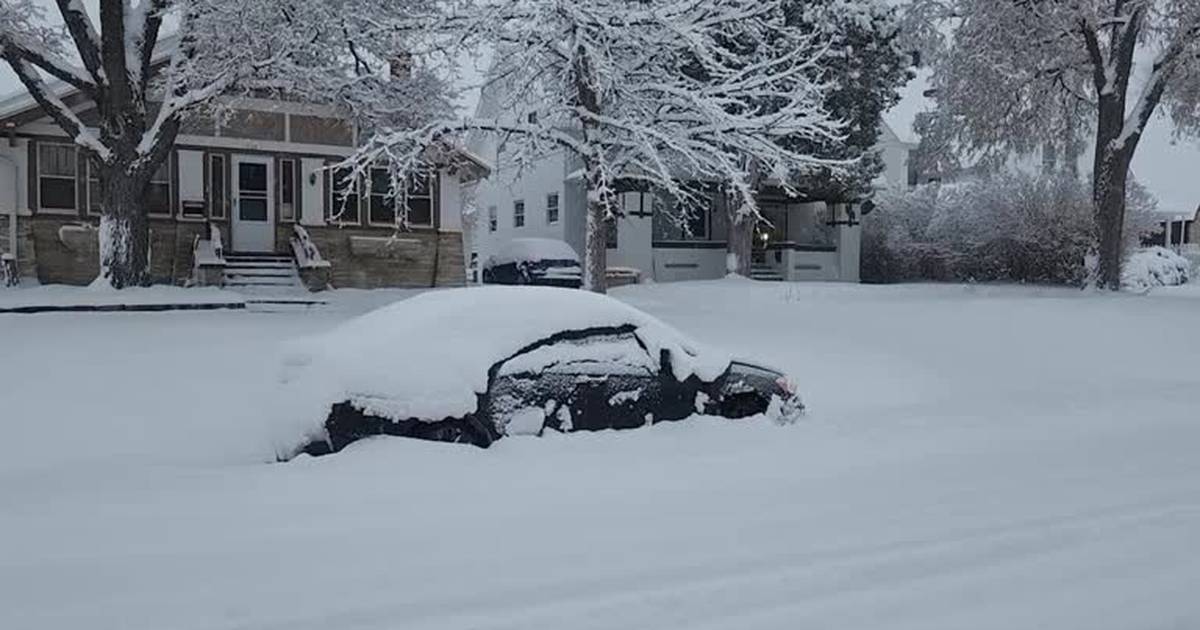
{"points": [[975, 457]]}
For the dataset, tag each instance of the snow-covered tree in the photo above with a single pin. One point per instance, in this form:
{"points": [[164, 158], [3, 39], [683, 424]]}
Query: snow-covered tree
{"points": [[863, 67], [145, 79], [653, 94], [1016, 76]]}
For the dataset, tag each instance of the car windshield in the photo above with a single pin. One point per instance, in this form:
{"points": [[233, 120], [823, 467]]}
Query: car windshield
{"points": [[602, 353]]}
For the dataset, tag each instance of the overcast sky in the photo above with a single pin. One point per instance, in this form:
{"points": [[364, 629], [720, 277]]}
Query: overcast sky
{"points": [[1169, 168]]}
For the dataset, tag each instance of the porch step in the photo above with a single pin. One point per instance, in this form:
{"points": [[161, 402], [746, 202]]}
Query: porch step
{"points": [[765, 273], [256, 273]]}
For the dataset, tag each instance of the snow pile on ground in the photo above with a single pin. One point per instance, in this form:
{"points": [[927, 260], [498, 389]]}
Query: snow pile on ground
{"points": [[1155, 267], [519, 250], [59, 295], [428, 357]]}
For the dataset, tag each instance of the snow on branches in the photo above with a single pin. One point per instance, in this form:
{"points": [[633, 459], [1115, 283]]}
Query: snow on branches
{"points": [[639, 94], [1013, 77]]}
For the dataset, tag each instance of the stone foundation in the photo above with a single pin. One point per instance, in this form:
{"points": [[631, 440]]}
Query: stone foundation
{"points": [[64, 250], [369, 258]]}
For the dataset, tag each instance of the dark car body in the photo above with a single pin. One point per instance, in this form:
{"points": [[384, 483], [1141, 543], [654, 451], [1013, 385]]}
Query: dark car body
{"points": [[543, 272], [534, 261], [580, 380]]}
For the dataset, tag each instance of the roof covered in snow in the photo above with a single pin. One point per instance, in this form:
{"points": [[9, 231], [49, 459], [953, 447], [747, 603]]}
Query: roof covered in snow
{"points": [[428, 357]]}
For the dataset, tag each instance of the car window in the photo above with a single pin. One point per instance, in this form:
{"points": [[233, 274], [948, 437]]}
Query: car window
{"points": [[599, 354]]}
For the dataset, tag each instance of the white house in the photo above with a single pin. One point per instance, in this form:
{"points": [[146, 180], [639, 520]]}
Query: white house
{"points": [[805, 240]]}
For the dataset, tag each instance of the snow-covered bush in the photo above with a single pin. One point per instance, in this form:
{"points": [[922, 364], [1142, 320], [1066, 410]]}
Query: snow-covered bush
{"points": [[1154, 267], [1015, 227]]}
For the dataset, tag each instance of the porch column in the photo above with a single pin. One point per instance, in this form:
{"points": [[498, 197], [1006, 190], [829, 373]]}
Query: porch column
{"points": [[849, 252]]}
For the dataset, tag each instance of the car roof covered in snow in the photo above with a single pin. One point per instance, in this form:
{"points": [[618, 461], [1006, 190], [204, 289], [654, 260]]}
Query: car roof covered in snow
{"points": [[428, 357], [532, 249]]}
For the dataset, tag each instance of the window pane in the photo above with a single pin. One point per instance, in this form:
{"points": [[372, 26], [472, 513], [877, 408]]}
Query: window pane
{"points": [[252, 209], [552, 208], [382, 209], [94, 196], [518, 213], [216, 190], [57, 160], [252, 177], [158, 198], [287, 178], [420, 211], [420, 186], [492, 222], [163, 174], [57, 194], [381, 181]]}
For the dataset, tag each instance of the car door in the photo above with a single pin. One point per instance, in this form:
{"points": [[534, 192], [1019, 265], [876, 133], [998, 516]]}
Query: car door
{"points": [[583, 380]]}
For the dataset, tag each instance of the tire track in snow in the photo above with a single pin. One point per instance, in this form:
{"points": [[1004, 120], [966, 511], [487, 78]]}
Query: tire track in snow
{"points": [[719, 592]]}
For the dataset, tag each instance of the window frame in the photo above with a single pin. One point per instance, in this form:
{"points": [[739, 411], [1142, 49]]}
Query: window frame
{"points": [[333, 217], [288, 165], [223, 172], [168, 165], [493, 219], [88, 179], [556, 206], [74, 179], [518, 203]]}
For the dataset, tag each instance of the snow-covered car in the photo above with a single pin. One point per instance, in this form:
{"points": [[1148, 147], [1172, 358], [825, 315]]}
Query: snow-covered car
{"points": [[475, 365], [537, 261]]}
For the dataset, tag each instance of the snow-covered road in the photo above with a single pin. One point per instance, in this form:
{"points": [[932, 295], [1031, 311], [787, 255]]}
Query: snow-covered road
{"points": [[975, 458]]}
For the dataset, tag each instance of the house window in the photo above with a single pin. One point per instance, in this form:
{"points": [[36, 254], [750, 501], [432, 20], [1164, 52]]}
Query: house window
{"points": [[381, 206], [531, 118], [287, 190], [158, 191], [688, 220], [57, 166], [216, 186], [95, 198], [420, 201], [552, 208], [518, 214], [492, 220], [344, 200]]}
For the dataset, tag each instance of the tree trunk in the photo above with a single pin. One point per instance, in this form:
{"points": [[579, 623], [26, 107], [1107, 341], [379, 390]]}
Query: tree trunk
{"points": [[599, 198], [1109, 193], [740, 242], [1111, 173], [739, 247], [595, 262], [124, 234]]}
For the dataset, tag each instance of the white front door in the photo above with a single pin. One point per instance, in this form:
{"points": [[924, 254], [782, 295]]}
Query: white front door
{"points": [[253, 204]]}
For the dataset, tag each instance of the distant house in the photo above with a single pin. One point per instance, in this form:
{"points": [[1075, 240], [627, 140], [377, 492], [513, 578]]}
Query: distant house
{"points": [[804, 239], [247, 183]]}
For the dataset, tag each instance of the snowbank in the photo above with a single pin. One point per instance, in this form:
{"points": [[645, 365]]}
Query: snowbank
{"points": [[520, 250], [58, 295], [1155, 267], [428, 357]]}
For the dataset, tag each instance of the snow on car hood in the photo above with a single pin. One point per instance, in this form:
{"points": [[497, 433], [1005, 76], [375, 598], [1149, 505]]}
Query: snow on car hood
{"points": [[428, 357]]}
